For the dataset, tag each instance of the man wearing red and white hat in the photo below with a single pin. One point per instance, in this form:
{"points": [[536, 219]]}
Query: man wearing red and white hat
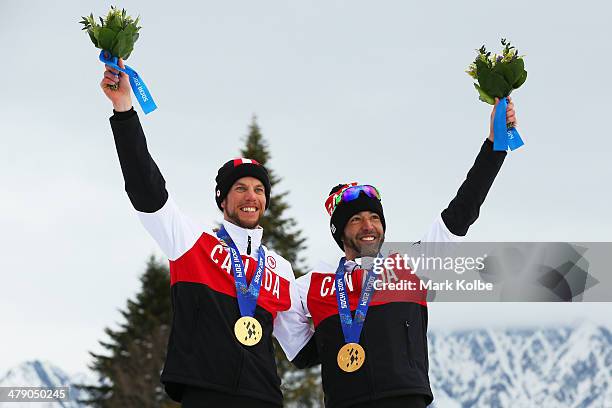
{"points": [[373, 351], [229, 292]]}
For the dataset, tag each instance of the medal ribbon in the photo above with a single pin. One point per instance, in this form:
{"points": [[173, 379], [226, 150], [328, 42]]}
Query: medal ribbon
{"points": [[504, 137], [138, 86], [246, 294], [352, 327]]}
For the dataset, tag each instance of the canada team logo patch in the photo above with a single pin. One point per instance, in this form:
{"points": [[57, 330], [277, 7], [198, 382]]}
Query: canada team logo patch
{"points": [[271, 262]]}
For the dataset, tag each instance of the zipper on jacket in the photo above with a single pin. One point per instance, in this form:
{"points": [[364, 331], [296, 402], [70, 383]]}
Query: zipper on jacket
{"points": [[239, 372], [249, 245], [364, 342], [408, 342]]}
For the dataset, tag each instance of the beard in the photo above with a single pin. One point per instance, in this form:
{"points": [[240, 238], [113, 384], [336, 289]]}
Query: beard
{"points": [[234, 217], [365, 249]]}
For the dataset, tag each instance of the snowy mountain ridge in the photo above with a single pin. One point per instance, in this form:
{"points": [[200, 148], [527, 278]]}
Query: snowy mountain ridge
{"points": [[42, 374], [560, 367]]}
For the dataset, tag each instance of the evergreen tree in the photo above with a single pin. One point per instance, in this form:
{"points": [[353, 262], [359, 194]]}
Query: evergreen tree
{"points": [[280, 231], [300, 387], [129, 370]]}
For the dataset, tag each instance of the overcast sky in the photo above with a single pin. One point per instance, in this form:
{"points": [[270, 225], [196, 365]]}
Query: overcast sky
{"points": [[343, 90]]}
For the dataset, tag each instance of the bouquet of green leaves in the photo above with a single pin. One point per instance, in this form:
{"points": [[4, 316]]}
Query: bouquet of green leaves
{"points": [[497, 75], [116, 34]]}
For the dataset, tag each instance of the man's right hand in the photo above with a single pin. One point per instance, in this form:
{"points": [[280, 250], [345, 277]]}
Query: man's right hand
{"points": [[120, 97]]}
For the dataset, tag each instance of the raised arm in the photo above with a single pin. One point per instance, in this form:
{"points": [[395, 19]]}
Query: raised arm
{"points": [[464, 209], [144, 183]]}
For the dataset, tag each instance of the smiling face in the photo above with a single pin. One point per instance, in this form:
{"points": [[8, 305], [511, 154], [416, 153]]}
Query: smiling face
{"points": [[363, 235], [245, 202]]}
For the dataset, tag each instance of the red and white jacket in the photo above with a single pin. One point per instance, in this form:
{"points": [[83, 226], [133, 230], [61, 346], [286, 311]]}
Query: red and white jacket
{"points": [[202, 349], [394, 334]]}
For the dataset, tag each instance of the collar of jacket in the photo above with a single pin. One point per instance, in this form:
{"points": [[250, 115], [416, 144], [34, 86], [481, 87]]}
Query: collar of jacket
{"points": [[350, 266], [240, 236]]}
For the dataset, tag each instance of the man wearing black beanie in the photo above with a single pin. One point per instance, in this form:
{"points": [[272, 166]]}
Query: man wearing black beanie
{"points": [[229, 292], [374, 354]]}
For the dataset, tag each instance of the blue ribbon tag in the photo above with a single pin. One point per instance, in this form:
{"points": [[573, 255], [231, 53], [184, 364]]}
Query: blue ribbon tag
{"points": [[351, 328], [138, 86], [504, 138], [246, 294]]}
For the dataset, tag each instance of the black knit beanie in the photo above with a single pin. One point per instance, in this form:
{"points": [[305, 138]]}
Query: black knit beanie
{"points": [[236, 169], [344, 211]]}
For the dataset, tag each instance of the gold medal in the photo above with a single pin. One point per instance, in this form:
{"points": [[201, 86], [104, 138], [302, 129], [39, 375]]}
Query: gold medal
{"points": [[248, 330], [351, 357]]}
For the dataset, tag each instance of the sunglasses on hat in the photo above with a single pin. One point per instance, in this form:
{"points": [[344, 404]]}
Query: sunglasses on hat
{"points": [[349, 193]]}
